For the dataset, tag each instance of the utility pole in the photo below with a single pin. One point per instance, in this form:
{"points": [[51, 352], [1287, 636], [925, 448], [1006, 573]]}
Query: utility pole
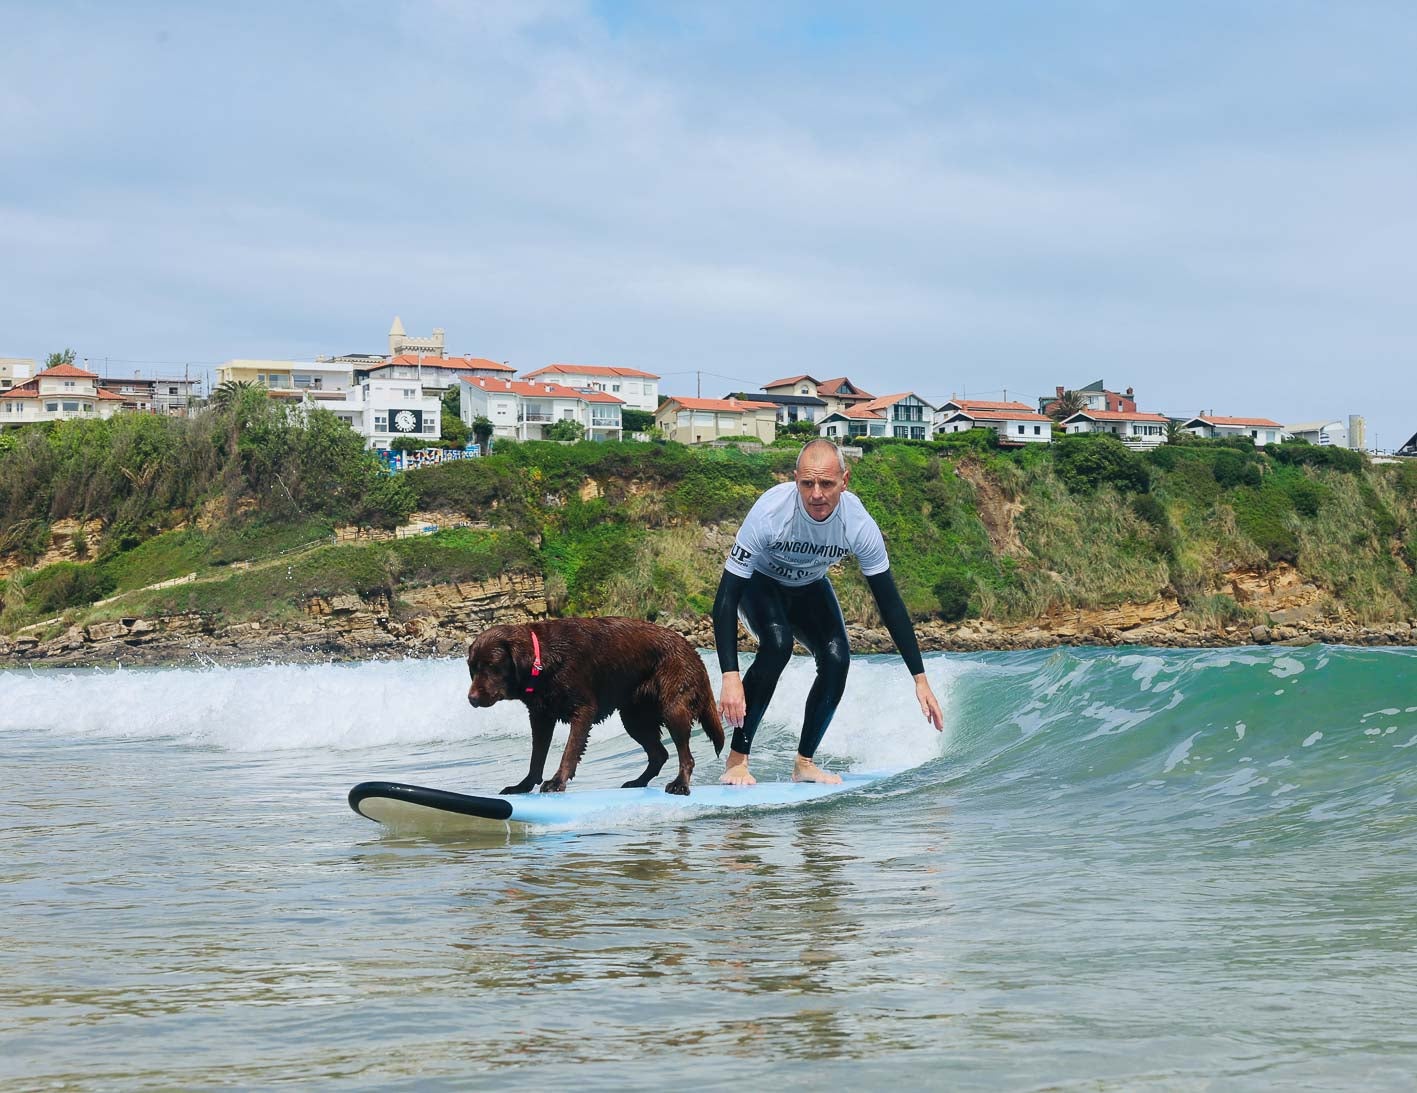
{"points": [[698, 384]]}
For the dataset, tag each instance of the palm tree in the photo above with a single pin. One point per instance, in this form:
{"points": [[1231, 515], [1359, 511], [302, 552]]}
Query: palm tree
{"points": [[224, 394], [1067, 404]]}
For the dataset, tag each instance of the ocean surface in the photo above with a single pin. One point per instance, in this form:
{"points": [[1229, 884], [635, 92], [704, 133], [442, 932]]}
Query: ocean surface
{"points": [[1115, 870]]}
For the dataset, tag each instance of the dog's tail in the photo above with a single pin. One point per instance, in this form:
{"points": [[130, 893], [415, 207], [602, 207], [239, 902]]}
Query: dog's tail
{"points": [[708, 716]]}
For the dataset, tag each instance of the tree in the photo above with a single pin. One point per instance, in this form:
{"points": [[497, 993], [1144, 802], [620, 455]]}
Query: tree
{"points": [[482, 432], [454, 429], [636, 421], [564, 430], [229, 392], [1067, 404], [54, 360]]}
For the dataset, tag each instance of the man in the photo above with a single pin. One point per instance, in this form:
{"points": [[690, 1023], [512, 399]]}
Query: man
{"points": [[776, 574]]}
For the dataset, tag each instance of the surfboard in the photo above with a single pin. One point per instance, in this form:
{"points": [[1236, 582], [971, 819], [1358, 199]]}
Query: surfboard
{"points": [[398, 805]]}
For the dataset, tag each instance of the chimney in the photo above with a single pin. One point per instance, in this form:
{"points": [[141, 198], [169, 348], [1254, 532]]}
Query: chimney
{"points": [[1060, 392]]}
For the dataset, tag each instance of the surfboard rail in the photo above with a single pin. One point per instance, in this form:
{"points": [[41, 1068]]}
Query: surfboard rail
{"points": [[399, 804]]}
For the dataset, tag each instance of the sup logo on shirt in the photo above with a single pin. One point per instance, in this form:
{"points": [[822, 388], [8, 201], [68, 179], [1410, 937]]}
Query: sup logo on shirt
{"points": [[739, 555]]}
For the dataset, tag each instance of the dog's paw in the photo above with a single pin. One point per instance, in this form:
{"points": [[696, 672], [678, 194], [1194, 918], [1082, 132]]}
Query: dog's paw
{"points": [[521, 787], [553, 785], [635, 783], [678, 787]]}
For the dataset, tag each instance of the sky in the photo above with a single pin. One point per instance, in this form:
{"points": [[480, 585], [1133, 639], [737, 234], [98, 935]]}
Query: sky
{"points": [[1212, 203]]}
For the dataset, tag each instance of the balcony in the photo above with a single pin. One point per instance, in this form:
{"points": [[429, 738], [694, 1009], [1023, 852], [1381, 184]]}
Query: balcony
{"points": [[533, 418], [605, 423]]}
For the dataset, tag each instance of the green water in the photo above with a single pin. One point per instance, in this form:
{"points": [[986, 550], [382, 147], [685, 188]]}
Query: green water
{"points": [[1117, 870]]}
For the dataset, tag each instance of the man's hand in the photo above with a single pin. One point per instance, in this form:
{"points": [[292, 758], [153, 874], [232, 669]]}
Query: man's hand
{"points": [[928, 704], [731, 702]]}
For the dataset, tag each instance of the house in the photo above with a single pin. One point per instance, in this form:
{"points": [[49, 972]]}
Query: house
{"points": [[698, 420], [522, 409], [907, 415], [1259, 429], [851, 422], [434, 373], [840, 394], [1014, 422], [793, 385], [637, 390], [1351, 433], [152, 395], [790, 408], [1132, 427], [15, 370], [57, 394], [287, 375], [1095, 396], [1410, 448], [381, 410]]}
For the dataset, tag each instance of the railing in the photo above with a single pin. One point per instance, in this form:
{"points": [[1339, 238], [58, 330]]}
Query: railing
{"points": [[605, 423], [537, 419]]}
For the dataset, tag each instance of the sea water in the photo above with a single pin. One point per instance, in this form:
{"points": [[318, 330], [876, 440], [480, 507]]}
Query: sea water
{"points": [[1114, 870]]}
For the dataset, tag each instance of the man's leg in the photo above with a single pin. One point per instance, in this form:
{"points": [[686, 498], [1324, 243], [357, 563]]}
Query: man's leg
{"points": [[816, 618], [763, 610]]}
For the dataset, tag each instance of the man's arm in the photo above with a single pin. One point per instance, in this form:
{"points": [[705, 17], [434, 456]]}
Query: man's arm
{"points": [[902, 631], [725, 640]]}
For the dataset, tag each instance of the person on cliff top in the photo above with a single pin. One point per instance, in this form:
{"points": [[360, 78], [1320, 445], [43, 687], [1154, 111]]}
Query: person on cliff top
{"points": [[776, 575]]}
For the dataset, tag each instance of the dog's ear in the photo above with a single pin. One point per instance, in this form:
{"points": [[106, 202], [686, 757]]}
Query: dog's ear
{"points": [[518, 660]]}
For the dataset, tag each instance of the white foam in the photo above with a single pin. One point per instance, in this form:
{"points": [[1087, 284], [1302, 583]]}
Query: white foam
{"points": [[347, 706]]}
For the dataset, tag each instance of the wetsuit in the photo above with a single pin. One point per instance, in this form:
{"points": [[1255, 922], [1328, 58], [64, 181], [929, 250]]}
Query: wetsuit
{"points": [[776, 576]]}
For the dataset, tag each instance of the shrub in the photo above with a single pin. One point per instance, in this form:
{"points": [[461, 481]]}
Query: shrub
{"points": [[1087, 461], [953, 590], [1301, 454]]}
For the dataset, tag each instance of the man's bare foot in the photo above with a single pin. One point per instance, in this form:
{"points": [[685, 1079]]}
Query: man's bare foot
{"points": [[736, 773], [804, 770]]}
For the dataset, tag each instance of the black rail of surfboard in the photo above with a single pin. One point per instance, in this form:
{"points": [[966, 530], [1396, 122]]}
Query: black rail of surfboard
{"points": [[488, 808]]}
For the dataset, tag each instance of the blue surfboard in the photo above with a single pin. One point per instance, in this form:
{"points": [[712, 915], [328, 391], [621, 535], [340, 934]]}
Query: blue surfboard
{"points": [[402, 806]]}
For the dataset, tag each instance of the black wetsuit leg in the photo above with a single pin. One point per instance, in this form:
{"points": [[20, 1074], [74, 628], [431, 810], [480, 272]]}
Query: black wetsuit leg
{"points": [[764, 610], [775, 613], [818, 624]]}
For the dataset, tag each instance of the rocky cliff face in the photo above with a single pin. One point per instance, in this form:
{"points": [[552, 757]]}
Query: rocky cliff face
{"points": [[439, 620]]}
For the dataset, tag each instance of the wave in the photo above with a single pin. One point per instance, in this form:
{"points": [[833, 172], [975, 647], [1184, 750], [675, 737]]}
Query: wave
{"points": [[1200, 738]]}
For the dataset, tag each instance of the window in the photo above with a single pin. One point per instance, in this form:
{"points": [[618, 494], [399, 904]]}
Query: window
{"points": [[1020, 430], [52, 407], [88, 407], [1038, 430], [614, 387], [381, 423], [429, 425], [69, 383]]}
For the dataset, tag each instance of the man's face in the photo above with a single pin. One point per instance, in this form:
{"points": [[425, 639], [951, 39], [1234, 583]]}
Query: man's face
{"points": [[820, 482]]}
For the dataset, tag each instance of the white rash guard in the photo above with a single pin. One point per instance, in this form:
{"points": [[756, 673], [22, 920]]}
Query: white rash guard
{"points": [[779, 538]]}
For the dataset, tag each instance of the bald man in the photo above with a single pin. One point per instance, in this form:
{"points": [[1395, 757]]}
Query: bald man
{"points": [[776, 575]]}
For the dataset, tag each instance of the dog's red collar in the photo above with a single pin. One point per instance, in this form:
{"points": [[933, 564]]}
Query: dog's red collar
{"points": [[536, 661]]}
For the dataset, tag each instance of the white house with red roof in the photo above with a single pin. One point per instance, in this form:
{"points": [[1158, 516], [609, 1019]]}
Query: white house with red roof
{"points": [[1135, 428], [57, 394], [637, 390], [1259, 429], [1014, 422], [907, 415], [523, 409], [434, 373], [853, 421], [840, 394], [699, 420]]}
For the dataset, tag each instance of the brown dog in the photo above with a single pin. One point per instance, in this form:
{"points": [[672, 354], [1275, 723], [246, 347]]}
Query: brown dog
{"points": [[580, 671]]}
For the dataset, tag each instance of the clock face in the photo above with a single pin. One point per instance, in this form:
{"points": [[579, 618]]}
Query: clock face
{"points": [[405, 421]]}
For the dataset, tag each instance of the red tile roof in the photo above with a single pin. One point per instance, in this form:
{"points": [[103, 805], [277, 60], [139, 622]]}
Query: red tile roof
{"points": [[860, 413], [525, 389], [1120, 415], [1004, 415], [890, 400], [722, 405], [593, 370], [788, 380], [68, 371], [832, 389], [601, 396], [458, 364], [1238, 422], [972, 404], [109, 396], [28, 389]]}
